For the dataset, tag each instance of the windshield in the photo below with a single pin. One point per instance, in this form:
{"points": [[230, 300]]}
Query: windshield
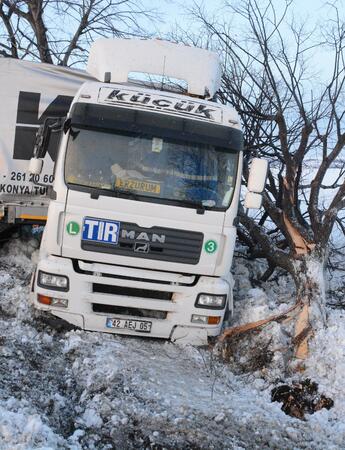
{"points": [[151, 167]]}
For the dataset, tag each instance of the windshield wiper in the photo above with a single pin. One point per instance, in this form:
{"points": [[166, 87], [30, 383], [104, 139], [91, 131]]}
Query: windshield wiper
{"points": [[200, 208], [125, 193], [121, 193]]}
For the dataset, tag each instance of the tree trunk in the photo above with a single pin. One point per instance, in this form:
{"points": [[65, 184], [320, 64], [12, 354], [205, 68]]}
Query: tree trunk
{"points": [[309, 277], [309, 310]]}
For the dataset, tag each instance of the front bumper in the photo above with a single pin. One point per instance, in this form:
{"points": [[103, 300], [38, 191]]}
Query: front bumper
{"points": [[179, 293]]}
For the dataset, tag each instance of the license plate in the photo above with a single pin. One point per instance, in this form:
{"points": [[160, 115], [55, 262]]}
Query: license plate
{"points": [[124, 324], [138, 186]]}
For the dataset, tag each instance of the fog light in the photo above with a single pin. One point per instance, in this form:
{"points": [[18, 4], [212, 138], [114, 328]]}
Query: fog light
{"points": [[196, 318], [52, 281], [61, 302], [210, 301]]}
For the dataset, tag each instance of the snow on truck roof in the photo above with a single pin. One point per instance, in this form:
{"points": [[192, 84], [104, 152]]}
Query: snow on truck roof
{"points": [[114, 59]]}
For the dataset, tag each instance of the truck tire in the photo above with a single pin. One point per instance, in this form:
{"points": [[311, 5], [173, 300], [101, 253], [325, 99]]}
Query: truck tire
{"points": [[6, 231]]}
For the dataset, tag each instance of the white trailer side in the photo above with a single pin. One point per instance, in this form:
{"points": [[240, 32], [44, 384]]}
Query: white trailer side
{"points": [[29, 92]]}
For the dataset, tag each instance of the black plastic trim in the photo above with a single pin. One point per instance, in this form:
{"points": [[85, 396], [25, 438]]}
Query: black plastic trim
{"points": [[77, 269], [136, 313], [180, 246], [112, 118], [131, 292]]}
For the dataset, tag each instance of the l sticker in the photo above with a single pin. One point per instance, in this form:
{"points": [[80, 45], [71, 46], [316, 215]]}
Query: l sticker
{"points": [[73, 228]]}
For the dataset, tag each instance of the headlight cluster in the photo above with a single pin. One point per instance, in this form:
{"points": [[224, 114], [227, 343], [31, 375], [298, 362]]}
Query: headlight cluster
{"points": [[210, 301], [205, 320], [52, 281], [52, 301]]}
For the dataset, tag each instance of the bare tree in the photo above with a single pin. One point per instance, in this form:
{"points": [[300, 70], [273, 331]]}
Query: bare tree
{"points": [[297, 122], [60, 31]]}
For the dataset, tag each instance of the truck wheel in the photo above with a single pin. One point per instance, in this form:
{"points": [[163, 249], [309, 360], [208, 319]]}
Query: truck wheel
{"points": [[6, 231]]}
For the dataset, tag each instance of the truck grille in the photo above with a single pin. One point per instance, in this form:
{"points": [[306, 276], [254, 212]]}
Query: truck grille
{"points": [[171, 245], [131, 292], [134, 274], [123, 310]]}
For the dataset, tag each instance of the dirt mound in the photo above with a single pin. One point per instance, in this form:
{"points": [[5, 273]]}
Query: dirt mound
{"points": [[300, 398]]}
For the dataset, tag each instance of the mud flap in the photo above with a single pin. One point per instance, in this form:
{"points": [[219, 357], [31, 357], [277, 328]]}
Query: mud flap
{"points": [[189, 336]]}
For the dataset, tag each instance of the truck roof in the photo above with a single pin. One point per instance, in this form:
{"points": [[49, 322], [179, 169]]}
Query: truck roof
{"points": [[114, 60]]}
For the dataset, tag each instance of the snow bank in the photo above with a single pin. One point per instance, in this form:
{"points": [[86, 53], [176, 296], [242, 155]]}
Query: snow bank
{"points": [[326, 366], [21, 429], [81, 390]]}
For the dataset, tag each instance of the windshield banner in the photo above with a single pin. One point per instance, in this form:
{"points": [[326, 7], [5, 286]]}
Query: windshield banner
{"points": [[160, 102]]}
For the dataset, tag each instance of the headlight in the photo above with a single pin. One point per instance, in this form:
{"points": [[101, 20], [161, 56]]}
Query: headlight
{"points": [[52, 281], [210, 301]]}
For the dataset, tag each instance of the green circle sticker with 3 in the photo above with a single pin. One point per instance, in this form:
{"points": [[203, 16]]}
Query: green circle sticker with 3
{"points": [[210, 246], [73, 228]]}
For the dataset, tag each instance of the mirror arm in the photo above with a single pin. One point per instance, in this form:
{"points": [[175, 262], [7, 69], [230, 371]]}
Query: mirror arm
{"points": [[50, 125]]}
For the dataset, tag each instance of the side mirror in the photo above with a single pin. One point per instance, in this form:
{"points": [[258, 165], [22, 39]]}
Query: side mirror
{"points": [[257, 175], [67, 125], [253, 200], [50, 125], [256, 183], [35, 166]]}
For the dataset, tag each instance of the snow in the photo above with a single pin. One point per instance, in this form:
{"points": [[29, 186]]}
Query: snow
{"points": [[254, 306], [73, 389]]}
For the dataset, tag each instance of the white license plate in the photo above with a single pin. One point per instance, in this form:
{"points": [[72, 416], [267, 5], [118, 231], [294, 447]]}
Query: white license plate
{"points": [[124, 324]]}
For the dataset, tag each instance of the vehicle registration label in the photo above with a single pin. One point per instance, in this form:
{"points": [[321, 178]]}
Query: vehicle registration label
{"points": [[137, 185], [142, 326]]}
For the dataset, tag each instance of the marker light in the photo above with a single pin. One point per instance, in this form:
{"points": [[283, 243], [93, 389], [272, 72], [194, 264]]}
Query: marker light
{"points": [[210, 301], [52, 281]]}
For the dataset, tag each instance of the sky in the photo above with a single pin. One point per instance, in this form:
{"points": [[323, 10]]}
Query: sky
{"points": [[174, 11]]}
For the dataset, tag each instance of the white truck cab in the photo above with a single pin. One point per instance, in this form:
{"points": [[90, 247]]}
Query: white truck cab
{"points": [[141, 230]]}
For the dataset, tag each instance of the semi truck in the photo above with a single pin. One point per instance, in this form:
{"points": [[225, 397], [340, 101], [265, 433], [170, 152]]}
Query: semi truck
{"points": [[136, 172]]}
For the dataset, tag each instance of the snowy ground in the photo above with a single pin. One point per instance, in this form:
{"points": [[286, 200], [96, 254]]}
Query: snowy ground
{"points": [[63, 389]]}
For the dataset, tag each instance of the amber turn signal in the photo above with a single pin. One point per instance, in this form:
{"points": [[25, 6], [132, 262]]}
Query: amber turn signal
{"points": [[213, 320], [44, 299]]}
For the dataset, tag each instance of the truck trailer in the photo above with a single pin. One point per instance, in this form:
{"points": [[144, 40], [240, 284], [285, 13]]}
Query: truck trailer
{"points": [[138, 183], [30, 92]]}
